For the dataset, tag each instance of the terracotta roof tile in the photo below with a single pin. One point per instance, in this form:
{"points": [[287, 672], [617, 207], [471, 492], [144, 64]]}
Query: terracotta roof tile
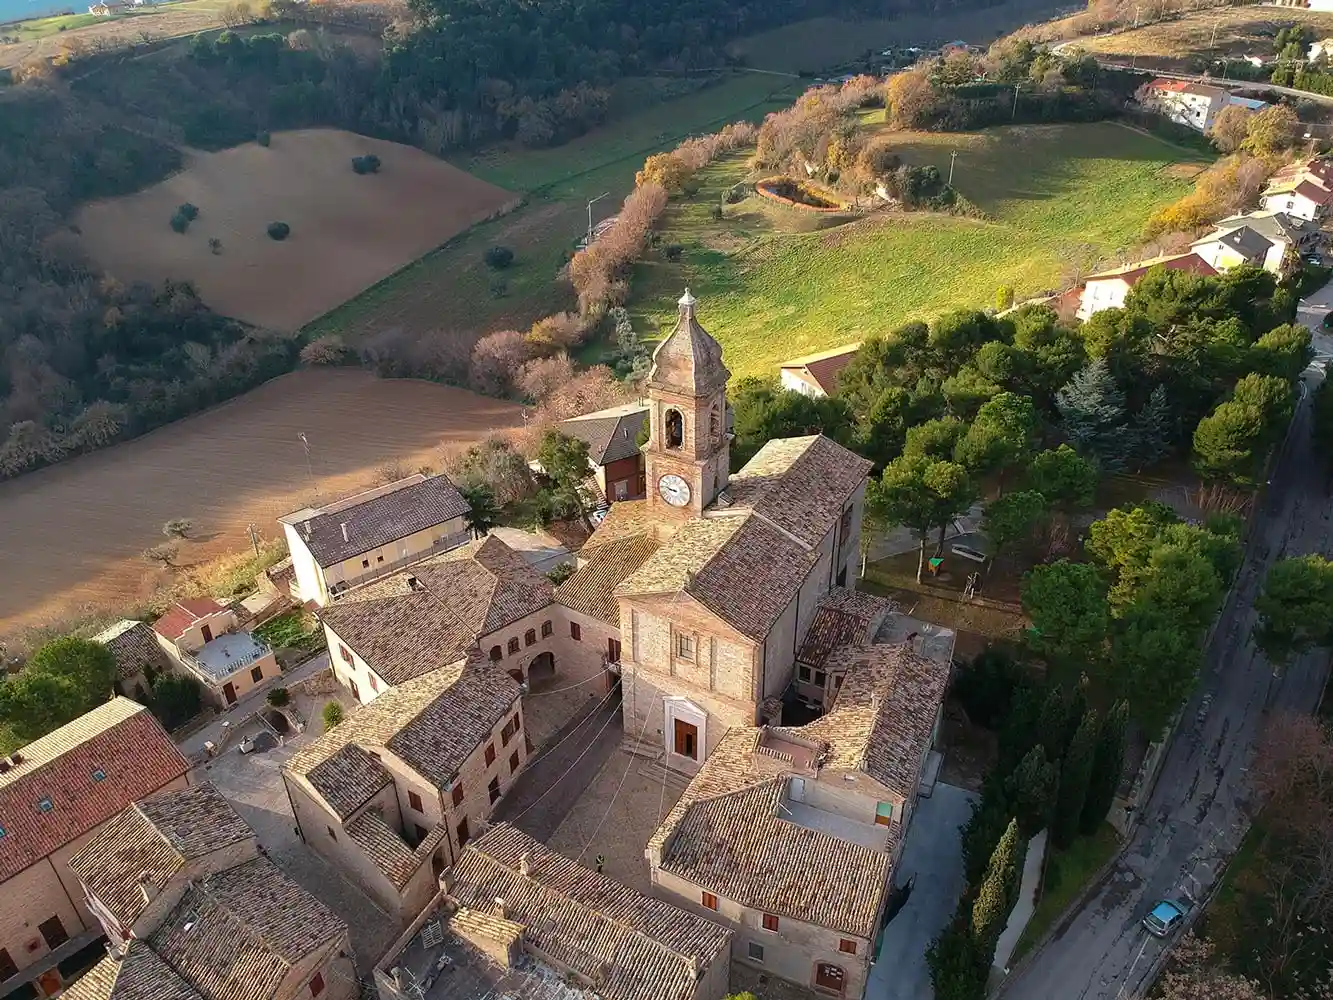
{"points": [[431, 613], [842, 616], [349, 779], [590, 589], [625, 518], [634, 946], [727, 834], [822, 370], [133, 646], [157, 838], [383, 516], [433, 722], [236, 934], [611, 434], [184, 613], [140, 975], [120, 740], [388, 851]]}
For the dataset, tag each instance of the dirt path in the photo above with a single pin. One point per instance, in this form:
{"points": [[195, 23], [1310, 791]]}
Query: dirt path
{"points": [[71, 535]]}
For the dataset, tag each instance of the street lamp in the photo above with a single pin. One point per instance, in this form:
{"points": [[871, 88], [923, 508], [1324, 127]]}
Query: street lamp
{"points": [[953, 155], [591, 202]]}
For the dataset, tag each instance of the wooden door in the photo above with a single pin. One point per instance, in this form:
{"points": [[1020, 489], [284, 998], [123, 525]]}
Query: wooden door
{"points": [[829, 977], [53, 932], [229, 692], [207, 633], [613, 650], [686, 739]]}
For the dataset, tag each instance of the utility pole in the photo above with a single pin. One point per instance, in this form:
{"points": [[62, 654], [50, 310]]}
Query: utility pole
{"points": [[953, 155], [254, 536], [1213, 41], [309, 470], [590, 204], [1014, 114]]}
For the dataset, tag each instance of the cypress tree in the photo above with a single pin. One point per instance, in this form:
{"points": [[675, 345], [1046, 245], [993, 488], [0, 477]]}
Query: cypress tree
{"points": [[1154, 429], [1022, 730], [1107, 765], [996, 897], [1031, 791], [1074, 775]]}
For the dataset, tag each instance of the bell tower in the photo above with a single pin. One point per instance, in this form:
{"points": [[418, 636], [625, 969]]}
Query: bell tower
{"points": [[688, 453]]}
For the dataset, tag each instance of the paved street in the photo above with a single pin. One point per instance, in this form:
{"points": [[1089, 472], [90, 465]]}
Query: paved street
{"points": [[933, 856], [249, 703], [1196, 816]]}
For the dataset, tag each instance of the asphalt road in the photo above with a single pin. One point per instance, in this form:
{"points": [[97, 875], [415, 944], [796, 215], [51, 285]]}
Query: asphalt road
{"points": [[1196, 816]]}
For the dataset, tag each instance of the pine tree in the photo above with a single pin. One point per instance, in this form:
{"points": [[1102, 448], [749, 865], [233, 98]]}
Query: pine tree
{"points": [[1154, 429], [1031, 791], [1093, 410], [996, 896], [1107, 764], [1074, 775]]}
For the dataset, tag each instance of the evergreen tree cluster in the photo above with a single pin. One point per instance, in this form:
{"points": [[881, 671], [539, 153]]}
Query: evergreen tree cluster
{"points": [[1059, 766]]}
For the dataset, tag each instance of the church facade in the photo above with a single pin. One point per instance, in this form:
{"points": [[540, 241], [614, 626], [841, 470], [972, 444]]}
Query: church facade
{"points": [[730, 569]]}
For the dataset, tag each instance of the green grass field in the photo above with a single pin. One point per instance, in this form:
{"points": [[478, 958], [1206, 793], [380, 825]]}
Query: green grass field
{"points": [[450, 289], [770, 292], [42, 26]]}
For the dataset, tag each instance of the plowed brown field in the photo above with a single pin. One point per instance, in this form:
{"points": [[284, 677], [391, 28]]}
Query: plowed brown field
{"points": [[347, 230], [71, 535]]}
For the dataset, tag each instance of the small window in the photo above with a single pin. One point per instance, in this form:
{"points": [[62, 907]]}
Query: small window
{"points": [[575, 632], [883, 813], [332, 835], [820, 678], [513, 645], [770, 921], [837, 682], [685, 646], [462, 832], [546, 629], [345, 653], [374, 684], [803, 673], [675, 429], [414, 800], [847, 946], [422, 832], [756, 951], [709, 901], [45, 805], [490, 754], [518, 722], [496, 655], [506, 734], [317, 984], [379, 559], [256, 674], [530, 637], [458, 793], [365, 564], [493, 789], [513, 762], [99, 774]]}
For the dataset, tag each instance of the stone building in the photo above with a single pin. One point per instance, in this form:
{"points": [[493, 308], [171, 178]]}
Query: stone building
{"points": [[513, 917], [56, 793], [392, 794], [194, 910], [790, 835]]}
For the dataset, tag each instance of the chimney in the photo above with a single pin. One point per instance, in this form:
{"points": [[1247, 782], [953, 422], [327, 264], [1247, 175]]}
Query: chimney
{"points": [[501, 910], [525, 864], [344, 528], [413, 583], [306, 526], [16, 758], [146, 888]]}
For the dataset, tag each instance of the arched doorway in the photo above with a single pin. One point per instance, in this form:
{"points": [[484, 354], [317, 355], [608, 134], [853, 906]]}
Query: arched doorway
{"points": [[541, 671], [517, 675], [278, 721], [437, 867]]}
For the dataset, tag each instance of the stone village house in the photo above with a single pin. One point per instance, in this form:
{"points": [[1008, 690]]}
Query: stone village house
{"points": [[194, 910]]}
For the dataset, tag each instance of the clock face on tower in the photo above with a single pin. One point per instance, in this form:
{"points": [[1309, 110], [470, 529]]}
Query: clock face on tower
{"points": [[674, 490]]}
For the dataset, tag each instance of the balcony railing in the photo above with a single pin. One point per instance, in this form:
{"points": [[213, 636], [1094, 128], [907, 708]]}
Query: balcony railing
{"points": [[381, 570]]}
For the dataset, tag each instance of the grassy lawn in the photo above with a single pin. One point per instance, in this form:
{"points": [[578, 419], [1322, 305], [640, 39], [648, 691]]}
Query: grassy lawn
{"points": [[451, 287], [1067, 872], [40, 27], [770, 291], [295, 628]]}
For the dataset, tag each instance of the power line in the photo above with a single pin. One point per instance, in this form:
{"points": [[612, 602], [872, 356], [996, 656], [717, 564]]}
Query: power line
{"points": [[567, 771], [623, 778]]}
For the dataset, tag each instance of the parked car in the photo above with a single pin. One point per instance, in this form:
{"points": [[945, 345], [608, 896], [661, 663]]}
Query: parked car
{"points": [[1165, 917], [967, 552], [247, 744]]}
